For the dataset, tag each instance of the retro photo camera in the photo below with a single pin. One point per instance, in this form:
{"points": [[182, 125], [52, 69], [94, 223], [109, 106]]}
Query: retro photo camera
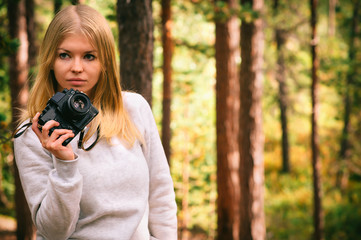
{"points": [[71, 108]]}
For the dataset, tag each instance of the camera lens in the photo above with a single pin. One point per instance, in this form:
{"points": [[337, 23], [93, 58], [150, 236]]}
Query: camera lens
{"points": [[78, 104]]}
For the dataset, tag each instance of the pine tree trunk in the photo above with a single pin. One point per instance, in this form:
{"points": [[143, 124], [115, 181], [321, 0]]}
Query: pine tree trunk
{"points": [[167, 76], [31, 31], [18, 73], [76, 2], [282, 91], [316, 163], [331, 17], [136, 41], [251, 140], [227, 110], [342, 179], [57, 6]]}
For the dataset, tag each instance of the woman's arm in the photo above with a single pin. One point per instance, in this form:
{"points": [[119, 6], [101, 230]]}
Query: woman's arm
{"points": [[52, 187], [162, 205]]}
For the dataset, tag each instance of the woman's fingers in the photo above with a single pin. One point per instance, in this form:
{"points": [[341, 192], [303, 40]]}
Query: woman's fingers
{"points": [[57, 136], [53, 143], [47, 126], [34, 126], [63, 137]]}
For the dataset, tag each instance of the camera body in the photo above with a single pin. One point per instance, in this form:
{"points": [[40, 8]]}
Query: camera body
{"points": [[71, 108]]}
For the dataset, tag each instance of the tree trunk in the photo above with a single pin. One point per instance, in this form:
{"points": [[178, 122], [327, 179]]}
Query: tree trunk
{"points": [[76, 2], [282, 91], [18, 73], [167, 76], [136, 41], [251, 139], [57, 6], [331, 17], [316, 163], [342, 179], [31, 31], [227, 110]]}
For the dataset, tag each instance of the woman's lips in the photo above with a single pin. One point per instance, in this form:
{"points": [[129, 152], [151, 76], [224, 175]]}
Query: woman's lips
{"points": [[76, 81]]}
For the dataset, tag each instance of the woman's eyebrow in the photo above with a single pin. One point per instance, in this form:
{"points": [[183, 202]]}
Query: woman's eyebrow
{"points": [[65, 50]]}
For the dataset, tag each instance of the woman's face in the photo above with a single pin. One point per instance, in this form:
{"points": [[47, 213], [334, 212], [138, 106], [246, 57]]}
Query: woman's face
{"points": [[77, 64]]}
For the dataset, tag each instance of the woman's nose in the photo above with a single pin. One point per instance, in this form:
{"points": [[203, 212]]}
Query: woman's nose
{"points": [[77, 66]]}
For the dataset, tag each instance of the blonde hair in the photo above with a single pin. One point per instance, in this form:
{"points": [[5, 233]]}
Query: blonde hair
{"points": [[112, 119]]}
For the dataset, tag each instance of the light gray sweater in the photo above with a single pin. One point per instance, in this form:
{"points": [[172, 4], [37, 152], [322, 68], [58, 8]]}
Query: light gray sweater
{"points": [[109, 192]]}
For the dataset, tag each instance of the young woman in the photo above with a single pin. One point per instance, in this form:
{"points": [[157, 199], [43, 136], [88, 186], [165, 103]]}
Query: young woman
{"points": [[119, 189]]}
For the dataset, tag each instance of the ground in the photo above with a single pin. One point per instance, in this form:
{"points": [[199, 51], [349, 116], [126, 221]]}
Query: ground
{"points": [[7, 228]]}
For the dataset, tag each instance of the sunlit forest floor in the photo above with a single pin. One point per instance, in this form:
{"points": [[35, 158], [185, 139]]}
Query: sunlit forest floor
{"points": [[289, 200], [288, 196], [288, 204], [7, 228]]}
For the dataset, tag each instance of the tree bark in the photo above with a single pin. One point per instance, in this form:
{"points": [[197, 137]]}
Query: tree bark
{"points": [[136, 42], [31, 31], [342, 179], [316, 163], [251, 139], [227, 110], [281, 36], [57, 6], [76, 2], [167, 76], [18, 74], [332, 17]]}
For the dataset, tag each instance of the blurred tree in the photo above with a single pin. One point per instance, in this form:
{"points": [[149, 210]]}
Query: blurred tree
{"points": [[31, 31], [332, 17], [18, 74], [167, 43], [57, 6], [75, 2], [316, 163], [281, 38], [227, 112], [135, 23], [251, 142], [351, 84]]}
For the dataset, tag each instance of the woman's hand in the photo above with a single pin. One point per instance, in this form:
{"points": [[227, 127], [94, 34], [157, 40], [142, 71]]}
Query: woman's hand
{"points": [[53, 143]]}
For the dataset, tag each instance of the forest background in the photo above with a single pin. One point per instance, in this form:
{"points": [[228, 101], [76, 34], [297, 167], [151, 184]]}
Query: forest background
{"points": [[288, 202]]}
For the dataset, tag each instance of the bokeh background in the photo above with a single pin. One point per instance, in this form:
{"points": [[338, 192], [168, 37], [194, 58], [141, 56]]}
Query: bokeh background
{"points": [[288, 200]]}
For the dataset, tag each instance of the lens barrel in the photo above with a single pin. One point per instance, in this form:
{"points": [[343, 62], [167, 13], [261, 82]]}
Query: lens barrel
{"points": [[78, 105]]}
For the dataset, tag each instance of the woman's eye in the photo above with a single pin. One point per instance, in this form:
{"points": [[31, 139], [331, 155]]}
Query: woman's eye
{"points": [[63, 55], [89, 57]]}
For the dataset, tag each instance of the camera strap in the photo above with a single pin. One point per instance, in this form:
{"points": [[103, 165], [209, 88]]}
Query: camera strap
{"points": [[22, 129], [81, 144]]}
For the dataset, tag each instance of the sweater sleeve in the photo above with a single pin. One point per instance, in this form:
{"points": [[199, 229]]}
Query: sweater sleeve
{"points": [[162, 205], [52, 187]]}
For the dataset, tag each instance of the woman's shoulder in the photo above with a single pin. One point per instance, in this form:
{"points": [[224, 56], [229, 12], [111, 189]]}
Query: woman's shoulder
{"points": [[138, 108], [22, 129], [24, 136], [133, 101]]}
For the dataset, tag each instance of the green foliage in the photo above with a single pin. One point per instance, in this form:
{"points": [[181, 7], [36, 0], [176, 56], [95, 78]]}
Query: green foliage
{"points": [[222, 12], [6, 164], [193, 106], [8, 46], [343, 221], [288, 197]]}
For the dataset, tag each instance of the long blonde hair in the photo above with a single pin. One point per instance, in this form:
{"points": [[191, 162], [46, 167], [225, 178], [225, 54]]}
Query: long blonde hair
{"points": [[112, 119]]}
